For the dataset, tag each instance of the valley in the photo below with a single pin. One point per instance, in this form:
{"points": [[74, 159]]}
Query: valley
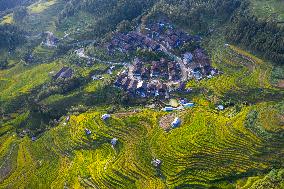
{"points": [[131, 94]]}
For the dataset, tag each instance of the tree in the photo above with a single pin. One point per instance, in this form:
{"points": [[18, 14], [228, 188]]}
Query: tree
{"points": [[4, 63], [264, 37], [10, 36], [20, 13], [124, 26]]}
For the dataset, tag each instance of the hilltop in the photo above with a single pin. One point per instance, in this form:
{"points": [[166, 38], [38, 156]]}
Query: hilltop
{"points": [[141, 94]]}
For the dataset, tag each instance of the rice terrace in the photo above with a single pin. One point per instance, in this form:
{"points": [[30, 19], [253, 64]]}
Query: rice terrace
{"points": [[153, 94]]}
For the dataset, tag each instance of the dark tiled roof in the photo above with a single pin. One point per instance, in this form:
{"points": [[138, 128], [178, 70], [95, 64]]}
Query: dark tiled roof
{"points": [[65, 72], [133, 85], [125, 82]]}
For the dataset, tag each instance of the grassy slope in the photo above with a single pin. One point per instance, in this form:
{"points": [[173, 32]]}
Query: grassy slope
{"points": [[246, 78], [8, 19], [41, 6], [42, 16], [21, 79]]}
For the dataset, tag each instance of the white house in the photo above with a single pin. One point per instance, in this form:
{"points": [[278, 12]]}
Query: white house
{"points": [[168, 109], [188, 105], [113, 141], [156, 162], [220, 107], [105, 117], [88, 132], [176, 122]]}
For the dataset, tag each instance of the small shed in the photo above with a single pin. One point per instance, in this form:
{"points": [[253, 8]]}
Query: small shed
{"points": [[64, 73], [88, 132], [156, 162], [157, 93], [109, 71], [188, 105], [105, 117], [220, 107], [168, 109], [114, 141], [94, 77], [140, 84], [176, 122], [183, 101], [213, 72], [197, 75], [189, 90], [67, 118]]}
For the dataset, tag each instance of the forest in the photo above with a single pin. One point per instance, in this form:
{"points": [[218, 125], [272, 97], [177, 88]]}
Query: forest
{"points": [[8, 4], [261, 36], [11, 36]]}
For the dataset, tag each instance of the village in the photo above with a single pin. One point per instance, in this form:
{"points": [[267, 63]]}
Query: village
{"points": [[168, 74], [154, 78], [160, 78], [142, 78]]}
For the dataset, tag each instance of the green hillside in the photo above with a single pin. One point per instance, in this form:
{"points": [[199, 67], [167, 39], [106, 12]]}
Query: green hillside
{"points": [[272, 8], [241, 146]]}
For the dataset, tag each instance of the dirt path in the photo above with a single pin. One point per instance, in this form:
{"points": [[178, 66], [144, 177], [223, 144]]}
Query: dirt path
{"points": [[281, 83], [81, 54], [124, 114], [166, 121]]}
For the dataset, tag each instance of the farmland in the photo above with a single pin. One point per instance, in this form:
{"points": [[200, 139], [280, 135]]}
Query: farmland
{"points": [[64, 123], [271, 8], [66, 156], [190, 153]]}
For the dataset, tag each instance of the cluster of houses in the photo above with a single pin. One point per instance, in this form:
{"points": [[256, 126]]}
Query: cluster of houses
{"points": [[50, 39], [130, 42], [162, 69], [159, 78], [147, 79], [140, 87], [166, 34], [198, 64], [153, 37]]}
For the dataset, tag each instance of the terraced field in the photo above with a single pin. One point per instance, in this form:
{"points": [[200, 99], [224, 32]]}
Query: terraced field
{"points": [[207, 139], [42, 16], [66, 156], [240, 147], [8, 19], [41, 6], [268, 8], [21, 79], [245, 78], [43, 54]]}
